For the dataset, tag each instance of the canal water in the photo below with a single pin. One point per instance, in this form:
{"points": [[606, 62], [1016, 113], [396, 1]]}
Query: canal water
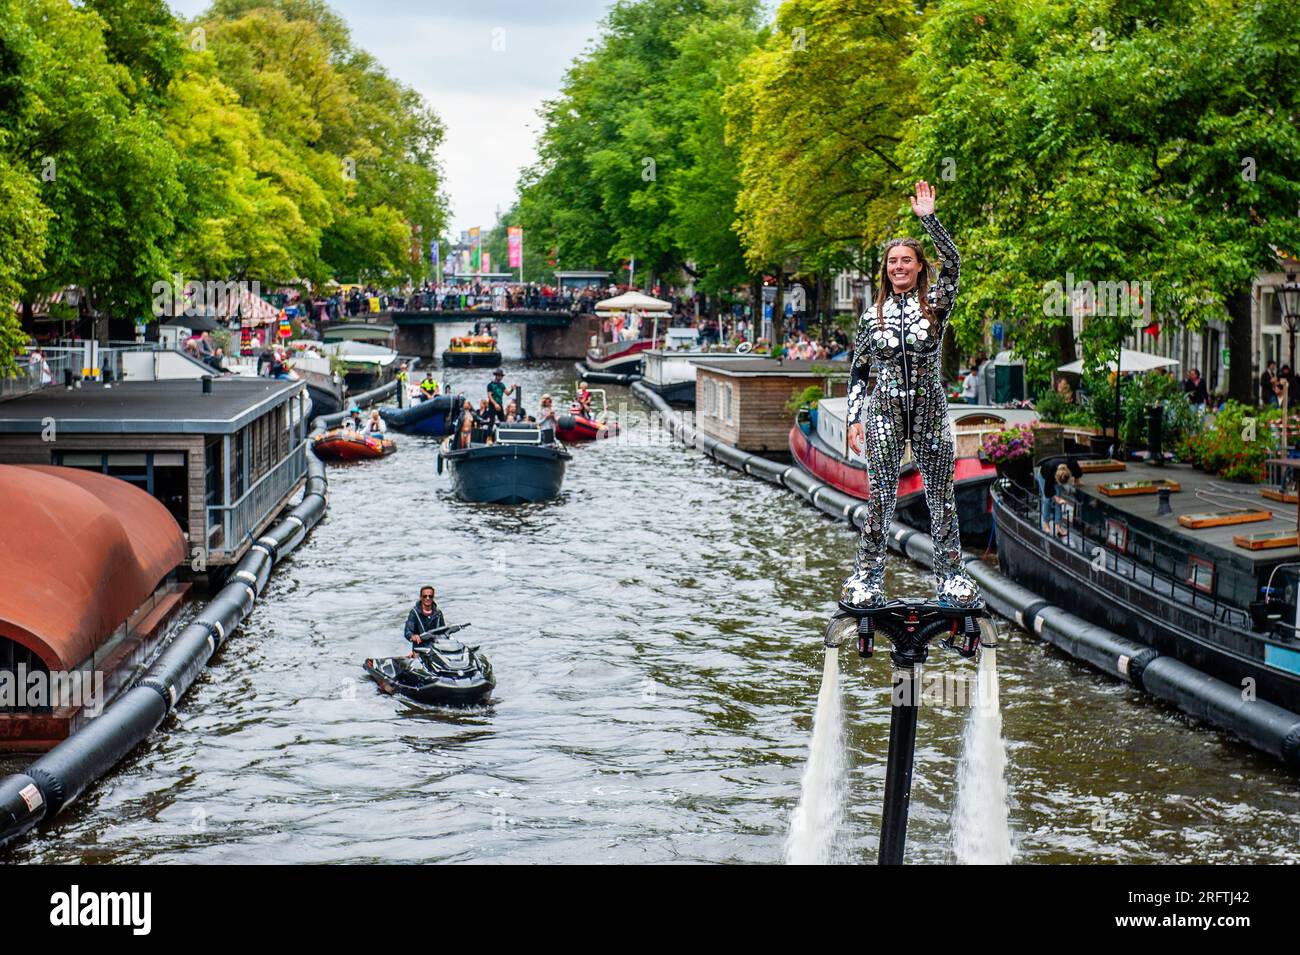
{"points": [[656, 638]]}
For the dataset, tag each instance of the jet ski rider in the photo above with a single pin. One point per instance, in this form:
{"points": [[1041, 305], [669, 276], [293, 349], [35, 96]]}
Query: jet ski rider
{"points": [[424, 616]]}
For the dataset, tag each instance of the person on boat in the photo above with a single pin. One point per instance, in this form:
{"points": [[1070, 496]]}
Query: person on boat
{"points": [[375, 426], [497, 392], [354, 423], [429, 387], [901, 334], [465, 430], [424, 616], [548, 421], [583, 401], [1059, 500], [1047, 477], [403, 380]]}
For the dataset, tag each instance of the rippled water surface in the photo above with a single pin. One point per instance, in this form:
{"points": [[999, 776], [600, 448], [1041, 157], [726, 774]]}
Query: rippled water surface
{"points": [[656, 639]]}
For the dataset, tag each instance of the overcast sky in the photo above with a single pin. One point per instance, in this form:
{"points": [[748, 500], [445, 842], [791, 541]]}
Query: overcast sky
{"points": [[484, 66]]}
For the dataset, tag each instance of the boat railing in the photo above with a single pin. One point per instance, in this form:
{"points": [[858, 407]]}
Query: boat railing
{"points": [[1131, 553], [229, 525]]}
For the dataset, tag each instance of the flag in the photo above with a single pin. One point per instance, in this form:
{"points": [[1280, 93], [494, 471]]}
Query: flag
{"points": [[433, 252], [487, 261], [515, 240], [474, 250]]}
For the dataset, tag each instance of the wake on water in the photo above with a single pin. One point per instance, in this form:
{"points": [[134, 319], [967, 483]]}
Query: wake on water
{"points": [[816, 820], [980, 832]]}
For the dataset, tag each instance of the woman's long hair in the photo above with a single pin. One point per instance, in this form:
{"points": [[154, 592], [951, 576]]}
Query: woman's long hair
{"points": [[922, 280]]}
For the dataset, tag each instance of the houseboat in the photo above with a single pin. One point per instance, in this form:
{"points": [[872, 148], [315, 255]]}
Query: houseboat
{"points": [[222, 455], [88, 564], [746, 402], [671, 371], [818, 442], [1172, 558]]}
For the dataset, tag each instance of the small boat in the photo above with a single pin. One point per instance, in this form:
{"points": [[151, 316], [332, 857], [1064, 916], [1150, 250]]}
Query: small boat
{"points": [[473, 351], [575, 426], [524, 465], [347, 444], [618, 358], [436, 416], [443, 673]]}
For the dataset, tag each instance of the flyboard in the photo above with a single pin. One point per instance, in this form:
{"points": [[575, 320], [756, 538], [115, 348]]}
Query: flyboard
{"points": [[909, 623]]}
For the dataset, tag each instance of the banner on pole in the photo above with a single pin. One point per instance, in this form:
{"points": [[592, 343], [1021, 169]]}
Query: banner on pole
{"points": [[515, 242], [487, 261], [433, 252], [474, 250]]}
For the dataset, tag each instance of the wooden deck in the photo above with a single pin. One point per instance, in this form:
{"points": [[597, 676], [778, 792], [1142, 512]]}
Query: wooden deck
{"points": [[1187, 502]]}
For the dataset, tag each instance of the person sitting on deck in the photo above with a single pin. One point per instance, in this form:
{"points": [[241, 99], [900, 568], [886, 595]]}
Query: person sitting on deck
{"points": [[424, 616], [429, 387], [1046, 476]]}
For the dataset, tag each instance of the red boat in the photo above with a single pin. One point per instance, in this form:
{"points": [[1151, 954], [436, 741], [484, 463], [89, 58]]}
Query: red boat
{"points": [[618, 358], [817, 445], [577, 427], [345, 444]]}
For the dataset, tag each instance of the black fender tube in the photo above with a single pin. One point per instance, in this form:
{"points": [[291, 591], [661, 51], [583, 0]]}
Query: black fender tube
{"points": [[228, 608], [1086, 641], [565, 421], [176, 668], [254, 569], [1261, 724], [729, 455], [763, 468], [801, 482], [65, 771], [22, 806], [834, 502]]}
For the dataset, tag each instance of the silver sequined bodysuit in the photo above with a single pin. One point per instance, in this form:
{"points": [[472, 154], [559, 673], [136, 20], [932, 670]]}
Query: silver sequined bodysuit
{"points": [[908, 403]]}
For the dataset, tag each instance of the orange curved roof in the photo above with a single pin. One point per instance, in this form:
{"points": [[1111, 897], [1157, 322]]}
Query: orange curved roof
{"points": [[79, 552]]}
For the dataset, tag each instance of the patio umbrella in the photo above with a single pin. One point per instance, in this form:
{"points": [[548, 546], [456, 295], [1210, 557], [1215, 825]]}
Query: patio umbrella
{"points": [[1129, 360]]}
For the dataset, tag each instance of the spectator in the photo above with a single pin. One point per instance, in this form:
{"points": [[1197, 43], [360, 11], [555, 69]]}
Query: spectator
{"points": [[1196, 391]]}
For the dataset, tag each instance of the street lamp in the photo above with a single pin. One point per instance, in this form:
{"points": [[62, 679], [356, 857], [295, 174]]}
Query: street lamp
{"points": [[1288, 297]]}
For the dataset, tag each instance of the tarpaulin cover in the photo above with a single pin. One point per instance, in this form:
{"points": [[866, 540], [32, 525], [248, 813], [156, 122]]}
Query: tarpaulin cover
{"points": [[79, 552]]}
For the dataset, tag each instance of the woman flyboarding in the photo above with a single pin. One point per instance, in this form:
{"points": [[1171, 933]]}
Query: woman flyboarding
{"points": [[901, 334]]}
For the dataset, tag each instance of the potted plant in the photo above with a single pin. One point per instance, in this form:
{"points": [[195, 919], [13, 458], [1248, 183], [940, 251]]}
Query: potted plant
{"points": [[1011, 451]]}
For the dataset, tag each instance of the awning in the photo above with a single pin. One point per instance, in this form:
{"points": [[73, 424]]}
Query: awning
{"points": [[79, 552], [1129, 360], [631, 300]]}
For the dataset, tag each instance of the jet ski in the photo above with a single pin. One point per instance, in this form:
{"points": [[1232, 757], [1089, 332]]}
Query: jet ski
{"points": [[443, 672]]}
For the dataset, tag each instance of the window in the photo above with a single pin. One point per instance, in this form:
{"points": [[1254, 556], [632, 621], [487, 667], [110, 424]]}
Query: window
{"points": [[708, 397], [1117, 535], [1200, 574], [727, 405]]}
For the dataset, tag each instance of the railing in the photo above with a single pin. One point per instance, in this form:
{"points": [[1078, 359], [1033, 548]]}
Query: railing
{"points": [[1145, 560], [56, 360], [42, 374], [229, 525]]}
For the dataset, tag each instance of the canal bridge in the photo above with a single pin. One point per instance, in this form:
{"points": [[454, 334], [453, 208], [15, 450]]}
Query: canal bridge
{"points": [[521, 333]]}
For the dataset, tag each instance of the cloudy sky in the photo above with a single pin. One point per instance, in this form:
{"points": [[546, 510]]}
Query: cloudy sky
{"points": [[485, 66]]}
